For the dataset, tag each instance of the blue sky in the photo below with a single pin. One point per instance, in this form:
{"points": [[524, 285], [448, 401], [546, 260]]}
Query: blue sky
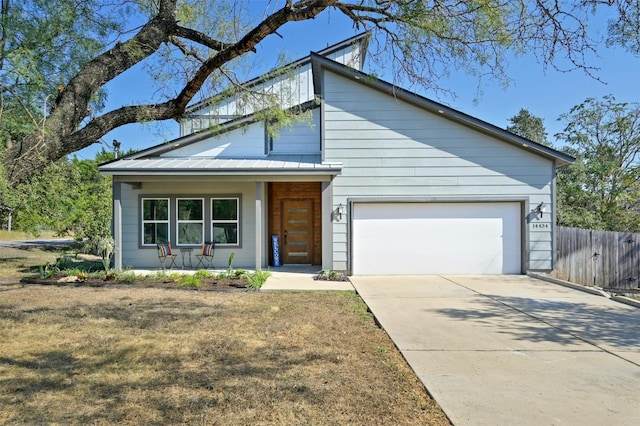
{"points": [[545, 93]]}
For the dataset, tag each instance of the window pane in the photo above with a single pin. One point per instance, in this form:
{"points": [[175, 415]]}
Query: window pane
{"points": [[225, 209], [190, 233], [190, 210], [155, 209], [156, 233], [225, 233]]}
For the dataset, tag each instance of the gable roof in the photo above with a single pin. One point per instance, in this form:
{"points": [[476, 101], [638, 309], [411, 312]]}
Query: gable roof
{"points": [[147, 161], [320, 63]]}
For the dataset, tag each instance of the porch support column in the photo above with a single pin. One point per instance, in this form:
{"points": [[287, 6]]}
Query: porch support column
{"points": [[116, 230], [327, 226], [258, 212]]}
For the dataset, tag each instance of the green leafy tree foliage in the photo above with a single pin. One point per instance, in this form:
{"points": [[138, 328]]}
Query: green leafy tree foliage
{"points": [[528, 126], [43, 44], [602, 189], [69, 197], [626, 31], [62, 53]]}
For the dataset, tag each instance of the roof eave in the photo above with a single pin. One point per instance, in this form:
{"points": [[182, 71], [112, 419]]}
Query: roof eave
{"points": [[240, 172]]}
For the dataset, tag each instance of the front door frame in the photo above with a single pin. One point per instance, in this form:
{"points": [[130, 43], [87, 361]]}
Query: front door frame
{"points": [[315, 190]]}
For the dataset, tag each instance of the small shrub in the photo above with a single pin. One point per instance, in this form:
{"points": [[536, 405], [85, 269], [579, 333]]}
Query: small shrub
{"points": [[201, 274], [47, 271], [64, 262], [82, 277], [331, 275], [158, 276], [102, 275], [105, 247], [72, 272], [230, 264], [256, 279], [189, 281], [128, 277], [175, 277]]}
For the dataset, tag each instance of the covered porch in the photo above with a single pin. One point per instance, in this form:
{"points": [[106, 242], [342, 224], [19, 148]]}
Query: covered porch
{"points": [[283, 197]]}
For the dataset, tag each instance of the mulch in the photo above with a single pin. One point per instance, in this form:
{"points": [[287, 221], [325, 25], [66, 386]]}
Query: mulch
{"points": [[209, 284]]}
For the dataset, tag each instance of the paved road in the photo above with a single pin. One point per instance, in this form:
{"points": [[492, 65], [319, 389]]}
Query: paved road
{"points": [[24, 243], [505, 350]]}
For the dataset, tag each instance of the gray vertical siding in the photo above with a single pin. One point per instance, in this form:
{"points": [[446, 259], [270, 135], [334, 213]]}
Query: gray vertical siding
{"points": [[390, 148]]}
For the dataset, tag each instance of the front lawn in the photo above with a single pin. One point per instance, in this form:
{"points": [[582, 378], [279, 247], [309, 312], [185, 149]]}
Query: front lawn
{"points": [[79, 355]]}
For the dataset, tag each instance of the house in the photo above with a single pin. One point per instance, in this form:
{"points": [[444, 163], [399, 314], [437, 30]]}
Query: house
{"points": [[374, 180]]}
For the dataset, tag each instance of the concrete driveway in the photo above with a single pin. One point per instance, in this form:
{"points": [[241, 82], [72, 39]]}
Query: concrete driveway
{"points": [[505, 350]]}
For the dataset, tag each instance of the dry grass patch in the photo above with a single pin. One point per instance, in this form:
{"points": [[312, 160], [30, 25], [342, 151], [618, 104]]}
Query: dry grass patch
{"points": [[153, 356], [15, 262]]}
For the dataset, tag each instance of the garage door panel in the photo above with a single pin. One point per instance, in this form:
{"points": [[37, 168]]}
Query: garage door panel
{"points": [[436, 238]]}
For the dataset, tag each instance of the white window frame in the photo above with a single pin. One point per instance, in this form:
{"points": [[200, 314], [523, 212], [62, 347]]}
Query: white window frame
{"points": [[144, 222], [179, 221], [236, 221]]}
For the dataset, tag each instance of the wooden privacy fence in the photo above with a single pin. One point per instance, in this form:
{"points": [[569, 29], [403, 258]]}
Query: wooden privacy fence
{"points": [[602, 258]]}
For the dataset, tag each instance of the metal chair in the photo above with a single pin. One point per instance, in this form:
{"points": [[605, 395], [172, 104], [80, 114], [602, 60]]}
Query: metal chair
{"points": [[205, 258], [166, 256]]}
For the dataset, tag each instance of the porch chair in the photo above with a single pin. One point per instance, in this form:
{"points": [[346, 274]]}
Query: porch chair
{"points": [[205, 258], [166, 256]]}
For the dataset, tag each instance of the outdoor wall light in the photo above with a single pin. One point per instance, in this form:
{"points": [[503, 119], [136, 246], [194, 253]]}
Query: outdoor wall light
{"points": [[338, 212], [540, 209]]}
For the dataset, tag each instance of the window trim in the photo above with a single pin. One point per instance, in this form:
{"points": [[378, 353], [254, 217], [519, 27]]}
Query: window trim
{"points": [[179, 221], [144, 222], [237, 220]]}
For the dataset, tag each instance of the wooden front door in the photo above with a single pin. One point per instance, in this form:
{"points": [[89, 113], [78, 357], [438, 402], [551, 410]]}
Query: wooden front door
{"points": [[297, 231]]}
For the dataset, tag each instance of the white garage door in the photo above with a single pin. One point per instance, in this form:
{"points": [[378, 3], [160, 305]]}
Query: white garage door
{"points": [[436, 238]]}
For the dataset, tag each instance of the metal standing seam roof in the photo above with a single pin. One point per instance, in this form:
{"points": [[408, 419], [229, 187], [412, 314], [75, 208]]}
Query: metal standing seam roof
{"points": [[272, 164]]}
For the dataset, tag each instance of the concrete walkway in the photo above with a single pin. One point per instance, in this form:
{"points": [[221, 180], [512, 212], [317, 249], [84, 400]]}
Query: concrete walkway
{"points": [[300, 278], [505, 350]]}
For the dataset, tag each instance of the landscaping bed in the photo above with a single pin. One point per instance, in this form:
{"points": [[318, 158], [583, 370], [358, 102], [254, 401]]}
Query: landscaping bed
{"points": [[63, 266], [167, 281]]}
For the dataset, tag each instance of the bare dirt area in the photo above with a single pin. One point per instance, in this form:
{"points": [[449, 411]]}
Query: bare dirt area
{"points": [[82, 355]]}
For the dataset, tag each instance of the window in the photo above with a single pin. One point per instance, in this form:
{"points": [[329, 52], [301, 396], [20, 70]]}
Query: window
{"points": [[190, 221], [155, 221], [224, 221]]}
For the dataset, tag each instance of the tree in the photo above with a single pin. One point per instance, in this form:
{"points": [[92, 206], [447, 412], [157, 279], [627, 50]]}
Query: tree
{"points": [[69, 197], [43, 44], [197, 42], [528, 126], [602, 189]]}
